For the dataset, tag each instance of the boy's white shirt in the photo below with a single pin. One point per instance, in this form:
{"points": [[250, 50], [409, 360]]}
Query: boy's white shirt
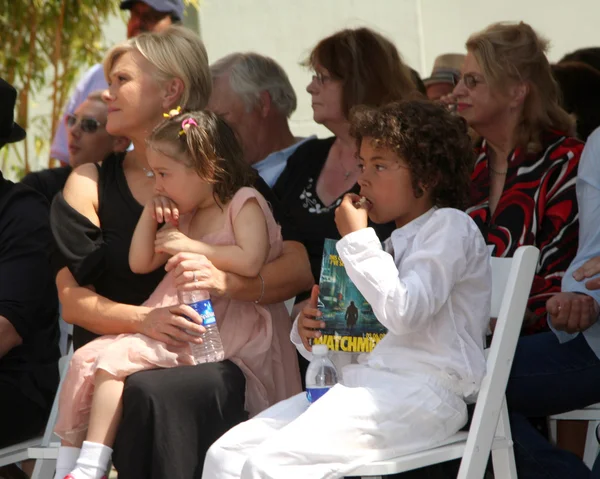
{"points": [[431, 288]]}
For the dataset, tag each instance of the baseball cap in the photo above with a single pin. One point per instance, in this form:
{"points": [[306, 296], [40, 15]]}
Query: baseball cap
{"points": [[174, 7], [446, 69], [10, 131]]}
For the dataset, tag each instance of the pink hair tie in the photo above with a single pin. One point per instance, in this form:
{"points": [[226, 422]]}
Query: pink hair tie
{"points": [[185, 125]]}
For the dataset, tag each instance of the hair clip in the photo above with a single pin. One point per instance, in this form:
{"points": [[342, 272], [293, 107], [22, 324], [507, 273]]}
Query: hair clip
{"points": [[185, 125], [172, 113]]}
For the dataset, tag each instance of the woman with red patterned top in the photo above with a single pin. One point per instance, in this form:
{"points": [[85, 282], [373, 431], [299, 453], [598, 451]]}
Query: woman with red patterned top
{"points": [[523, 183]]}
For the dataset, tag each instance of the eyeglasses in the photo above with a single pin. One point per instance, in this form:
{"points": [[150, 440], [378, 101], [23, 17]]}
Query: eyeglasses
{"points": [[321, 78], [88, 125], [471, 80]]}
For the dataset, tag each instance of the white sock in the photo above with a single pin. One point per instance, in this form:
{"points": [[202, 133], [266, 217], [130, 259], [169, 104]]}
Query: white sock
{"points": [[92, 462], [65, 462]]}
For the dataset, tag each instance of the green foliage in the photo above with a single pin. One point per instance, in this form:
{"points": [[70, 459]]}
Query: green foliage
{"points": [[45, 44]]}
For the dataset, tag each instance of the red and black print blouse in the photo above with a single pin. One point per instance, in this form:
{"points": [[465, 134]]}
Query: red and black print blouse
{"points": [[537, 207]]}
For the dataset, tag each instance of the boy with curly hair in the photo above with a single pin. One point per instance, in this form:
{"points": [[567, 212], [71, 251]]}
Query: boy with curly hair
{"points": [[430, 286]]}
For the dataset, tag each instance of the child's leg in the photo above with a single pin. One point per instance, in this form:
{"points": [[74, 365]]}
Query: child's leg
{"points": [[227, 455], [351, 426], [104, 422], [107, 407]]}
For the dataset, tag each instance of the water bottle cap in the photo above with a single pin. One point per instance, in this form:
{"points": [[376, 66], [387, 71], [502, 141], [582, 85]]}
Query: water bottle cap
{"points": [[320, 349]]}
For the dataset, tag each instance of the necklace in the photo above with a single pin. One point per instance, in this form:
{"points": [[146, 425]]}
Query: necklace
{"points": [[496, 171]]}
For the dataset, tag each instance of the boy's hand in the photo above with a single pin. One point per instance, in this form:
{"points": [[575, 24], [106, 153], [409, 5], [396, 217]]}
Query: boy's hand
{"points": [[308, 324], [171, 241], [349, 218], [164, 210]]}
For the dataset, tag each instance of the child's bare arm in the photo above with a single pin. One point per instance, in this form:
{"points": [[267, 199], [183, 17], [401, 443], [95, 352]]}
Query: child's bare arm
{"points": [[142, 256], [250, 252]]}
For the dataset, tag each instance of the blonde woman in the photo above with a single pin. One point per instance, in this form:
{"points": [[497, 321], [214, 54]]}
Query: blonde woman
{"points": [[170, 417], [524, 193], [523, 183]]}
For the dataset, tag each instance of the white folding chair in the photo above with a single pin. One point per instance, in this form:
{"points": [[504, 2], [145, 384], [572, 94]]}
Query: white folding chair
{"points": [[591, 414], [45, 448], [490, 430]]}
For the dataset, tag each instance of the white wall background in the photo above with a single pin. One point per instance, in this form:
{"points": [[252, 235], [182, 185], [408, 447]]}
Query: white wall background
{"points": [[421, 29]]}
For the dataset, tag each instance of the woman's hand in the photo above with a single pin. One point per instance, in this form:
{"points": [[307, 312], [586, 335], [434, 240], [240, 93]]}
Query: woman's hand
{"points": [[449, 101], [308, 325], [590, 268], [171, 327], [171, 241], [164, 210], [194, 271], [350, 218], [572, 312]]}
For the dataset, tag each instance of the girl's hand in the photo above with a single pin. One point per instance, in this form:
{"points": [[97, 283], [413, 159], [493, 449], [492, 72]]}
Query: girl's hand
{"points": [[164, 210], [308, 324], [349, 218], [194, 271], [171, 241]]}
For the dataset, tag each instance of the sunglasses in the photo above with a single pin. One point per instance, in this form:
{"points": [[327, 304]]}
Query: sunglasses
{"points": [[87, 125]]}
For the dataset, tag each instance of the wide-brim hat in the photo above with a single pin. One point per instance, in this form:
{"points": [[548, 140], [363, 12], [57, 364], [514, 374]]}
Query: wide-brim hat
{"points": [[175, 7], [446, 69], [10, 131]]}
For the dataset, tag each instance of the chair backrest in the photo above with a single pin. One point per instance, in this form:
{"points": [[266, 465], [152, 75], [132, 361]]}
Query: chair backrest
{"points": [[511, 286]]}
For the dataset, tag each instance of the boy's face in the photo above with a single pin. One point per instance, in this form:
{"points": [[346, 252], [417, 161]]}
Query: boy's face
{"points": [[386, 181]]}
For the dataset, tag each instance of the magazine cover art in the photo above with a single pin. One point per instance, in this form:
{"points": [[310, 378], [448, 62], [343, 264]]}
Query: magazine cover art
{"points": [[351, 325]]}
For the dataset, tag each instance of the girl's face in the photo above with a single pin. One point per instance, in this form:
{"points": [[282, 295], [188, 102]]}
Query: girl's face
{"points": [[134, 97], [177, 181], [385, 180], [326, 93]]}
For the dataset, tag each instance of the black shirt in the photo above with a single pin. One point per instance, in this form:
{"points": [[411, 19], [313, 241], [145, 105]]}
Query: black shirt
{"points": [[28, 297], [48, 182], [100, 256]]}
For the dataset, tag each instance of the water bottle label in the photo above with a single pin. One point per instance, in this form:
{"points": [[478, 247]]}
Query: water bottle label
{"points": [[205, 309], [312, 394]]}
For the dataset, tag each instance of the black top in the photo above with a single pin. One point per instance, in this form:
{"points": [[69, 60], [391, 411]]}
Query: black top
{"points": [[28, 297], [296, 189], [48, 182], [100, 257]]}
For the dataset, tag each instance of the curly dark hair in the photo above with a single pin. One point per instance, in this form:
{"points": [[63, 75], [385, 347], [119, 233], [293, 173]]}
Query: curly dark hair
{"points": [[432, 141]]}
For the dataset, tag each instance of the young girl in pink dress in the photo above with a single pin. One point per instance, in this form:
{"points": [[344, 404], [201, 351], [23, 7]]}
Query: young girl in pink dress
{"points": [[207, 208]]}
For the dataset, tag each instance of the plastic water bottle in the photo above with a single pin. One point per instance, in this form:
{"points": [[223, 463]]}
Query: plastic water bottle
{"points": [[211, 349], [321, 374]]}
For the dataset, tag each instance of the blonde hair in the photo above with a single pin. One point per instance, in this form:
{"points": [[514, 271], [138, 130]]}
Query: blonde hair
{"points": [[514, 52], [176, 52], [208, 146]]}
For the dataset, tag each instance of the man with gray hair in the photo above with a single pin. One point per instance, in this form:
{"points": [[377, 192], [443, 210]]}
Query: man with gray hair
{"points": [[255, 97]]}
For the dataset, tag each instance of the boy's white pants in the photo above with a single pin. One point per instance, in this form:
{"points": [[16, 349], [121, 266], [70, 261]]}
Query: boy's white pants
{"points": [[388, 415]]}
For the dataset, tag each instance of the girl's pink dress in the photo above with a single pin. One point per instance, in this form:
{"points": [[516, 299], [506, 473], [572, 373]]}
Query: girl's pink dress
{"points": [[255, 338]]}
